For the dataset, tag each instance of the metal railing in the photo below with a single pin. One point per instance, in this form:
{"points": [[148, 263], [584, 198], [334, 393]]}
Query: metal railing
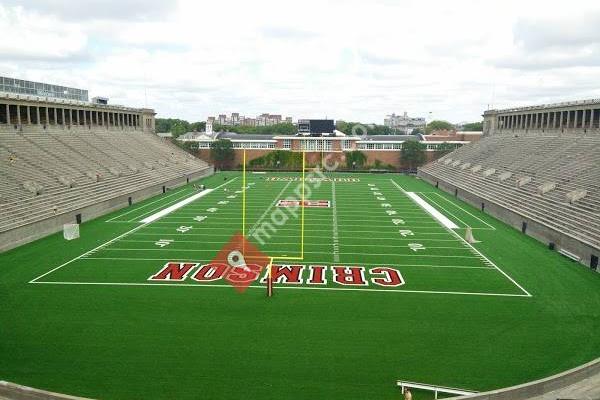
{"points": [[433, 388]]}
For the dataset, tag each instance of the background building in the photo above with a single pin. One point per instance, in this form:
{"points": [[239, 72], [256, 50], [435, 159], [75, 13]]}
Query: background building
{"points": [[380, 150], [235, 119], [404, 123]]}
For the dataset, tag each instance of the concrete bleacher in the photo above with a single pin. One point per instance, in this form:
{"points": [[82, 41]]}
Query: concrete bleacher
{"points": [[43, 175], [536, 177]]}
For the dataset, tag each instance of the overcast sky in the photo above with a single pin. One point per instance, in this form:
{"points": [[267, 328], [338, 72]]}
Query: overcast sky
{"points": [[351, 60]]}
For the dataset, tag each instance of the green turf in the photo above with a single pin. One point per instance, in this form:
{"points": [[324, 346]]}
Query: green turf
{"points": [[97, 327]]}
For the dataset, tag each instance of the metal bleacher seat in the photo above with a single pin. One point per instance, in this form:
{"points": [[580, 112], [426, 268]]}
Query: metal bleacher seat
{"points": [[553, 166], [80, 169]]}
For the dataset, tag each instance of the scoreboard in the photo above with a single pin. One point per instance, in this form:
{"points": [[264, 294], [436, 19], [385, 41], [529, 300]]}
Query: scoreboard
{"points": [[316, 127]]}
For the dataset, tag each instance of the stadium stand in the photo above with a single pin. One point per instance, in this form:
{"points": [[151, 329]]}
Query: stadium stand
{"points": [[45, 175], [547, 186]]}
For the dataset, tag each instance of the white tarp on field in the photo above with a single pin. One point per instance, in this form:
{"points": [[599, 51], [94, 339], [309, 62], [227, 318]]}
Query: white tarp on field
{"points": [[432, 211], [175, 206]]}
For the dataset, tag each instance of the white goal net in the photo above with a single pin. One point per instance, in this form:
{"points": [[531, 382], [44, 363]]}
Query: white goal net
{"points": [[71, 231]]}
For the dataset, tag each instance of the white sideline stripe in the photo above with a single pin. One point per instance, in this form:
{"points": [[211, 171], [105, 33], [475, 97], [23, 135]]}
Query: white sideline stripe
{"points": [[486, 260], [34, 280], [442, 219], [175, 206]]}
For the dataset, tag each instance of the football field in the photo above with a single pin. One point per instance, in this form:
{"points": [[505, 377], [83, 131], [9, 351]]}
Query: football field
{"points": [[361, 233], [373, 282]]}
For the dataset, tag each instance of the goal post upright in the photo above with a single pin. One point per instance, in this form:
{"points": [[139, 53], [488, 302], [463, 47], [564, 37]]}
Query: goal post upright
{"points": [[301, 256], [302, 205], [244, 199], [270, 278]]}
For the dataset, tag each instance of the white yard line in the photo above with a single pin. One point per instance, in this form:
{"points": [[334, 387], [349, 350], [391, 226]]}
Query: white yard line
{"points": [[262, 287], [489, 262], [311, 263], [211, 233], [320, 242], [313, 252], [228, 235], [212, 229]]}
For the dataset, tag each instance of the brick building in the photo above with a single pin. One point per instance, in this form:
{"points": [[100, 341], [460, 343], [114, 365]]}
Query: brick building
{"points": [[378, 149]]}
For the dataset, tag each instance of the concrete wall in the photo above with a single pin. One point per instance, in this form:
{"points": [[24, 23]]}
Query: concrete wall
{"points": [[28, 233], [540, 387], [12, 391], [535, 229]]}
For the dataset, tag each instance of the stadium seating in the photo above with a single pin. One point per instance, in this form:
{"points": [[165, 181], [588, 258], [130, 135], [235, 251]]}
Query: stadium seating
{"points": [[550, 179], [46, 174]]}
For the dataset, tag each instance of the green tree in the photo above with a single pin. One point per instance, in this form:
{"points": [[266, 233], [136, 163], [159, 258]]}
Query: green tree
{"points": [[190, 147], [438, 125], [277, 129], [178, 127], [473, 127], [222, 153], [417, 131], [278, 159], [412, 153], [358, 128], [355, 159], [198, 126]]}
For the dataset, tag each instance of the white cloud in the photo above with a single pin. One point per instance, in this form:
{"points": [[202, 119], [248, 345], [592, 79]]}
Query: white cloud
{"points": [[350, 60]]}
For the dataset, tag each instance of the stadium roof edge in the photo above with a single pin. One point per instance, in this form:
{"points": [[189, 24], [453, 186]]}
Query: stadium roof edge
{"points": [[68, 102], [576, 103]]}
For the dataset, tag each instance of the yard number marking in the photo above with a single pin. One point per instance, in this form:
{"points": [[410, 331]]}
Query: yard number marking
{"points": [[416, 246], [163, 242]]}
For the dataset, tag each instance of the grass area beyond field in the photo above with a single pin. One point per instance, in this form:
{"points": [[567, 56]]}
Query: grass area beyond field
{"points": [[383, 291]]}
